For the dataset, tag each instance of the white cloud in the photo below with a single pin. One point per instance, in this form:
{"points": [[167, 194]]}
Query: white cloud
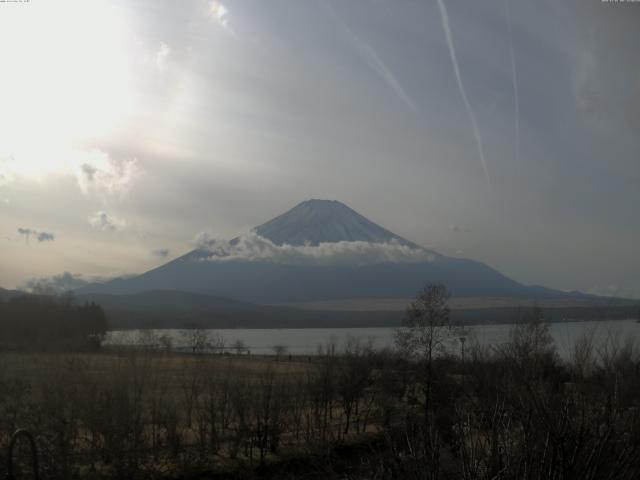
{"points": [[5, 178], [221, 14], [105, 176], [162, 55], [253, 247], [207, 240], [105, 222]]}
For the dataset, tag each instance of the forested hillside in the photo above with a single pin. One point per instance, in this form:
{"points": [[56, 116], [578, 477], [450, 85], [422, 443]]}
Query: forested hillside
{"points": [[40, 322]]}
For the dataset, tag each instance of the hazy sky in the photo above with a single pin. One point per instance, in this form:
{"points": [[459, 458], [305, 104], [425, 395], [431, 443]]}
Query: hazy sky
{"points": [[127, 128]]}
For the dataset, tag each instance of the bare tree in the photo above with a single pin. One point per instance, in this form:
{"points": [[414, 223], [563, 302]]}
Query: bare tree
{"points": [[239, 346], [166, 342], [195, 339], [353, 378], [147, 339], [530, 343], [218, 342], [426, 330], [191, 380], [279, 350], [583, 353]]}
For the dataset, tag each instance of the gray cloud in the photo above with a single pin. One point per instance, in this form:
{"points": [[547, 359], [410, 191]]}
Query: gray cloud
{"points": [[160, 252], [88, 171], [63, 282], [27, 233], [55, 284], [45, 237], [615, 290], [105, 222]]}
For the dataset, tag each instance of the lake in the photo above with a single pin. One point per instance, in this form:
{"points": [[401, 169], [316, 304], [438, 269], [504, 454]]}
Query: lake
{"points": [[305, 341]]}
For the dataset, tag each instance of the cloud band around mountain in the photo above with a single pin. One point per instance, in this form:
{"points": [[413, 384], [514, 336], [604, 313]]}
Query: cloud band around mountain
{"points": [[253, 247]]}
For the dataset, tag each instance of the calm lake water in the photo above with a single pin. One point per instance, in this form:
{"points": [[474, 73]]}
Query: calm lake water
{"points": [[305, 341]]}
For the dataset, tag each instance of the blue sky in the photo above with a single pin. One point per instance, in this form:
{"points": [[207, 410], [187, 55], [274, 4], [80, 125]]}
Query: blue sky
{"points": [[131, 127]]}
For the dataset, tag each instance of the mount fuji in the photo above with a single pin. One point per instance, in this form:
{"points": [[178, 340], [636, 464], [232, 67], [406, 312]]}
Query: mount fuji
{"points": [[320, 250], [325, 221]]}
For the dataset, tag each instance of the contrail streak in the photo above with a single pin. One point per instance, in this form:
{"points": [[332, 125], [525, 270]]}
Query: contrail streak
{"points": [[378, 66], [373, 60], [514, 76], [463, 93]]}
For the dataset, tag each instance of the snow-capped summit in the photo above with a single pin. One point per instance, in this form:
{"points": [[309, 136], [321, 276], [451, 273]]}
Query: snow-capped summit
{"points": [[324, 221]]}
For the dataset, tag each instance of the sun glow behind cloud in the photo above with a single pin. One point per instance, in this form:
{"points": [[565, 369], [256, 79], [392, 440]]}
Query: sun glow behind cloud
{"points": [[66, 79], [221, 14]]}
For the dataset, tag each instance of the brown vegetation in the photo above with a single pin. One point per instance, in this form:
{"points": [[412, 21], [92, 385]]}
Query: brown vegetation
{"points": [[514, 412]]}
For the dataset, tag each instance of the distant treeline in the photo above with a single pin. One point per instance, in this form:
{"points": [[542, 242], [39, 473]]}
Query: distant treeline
{"points": [[280, 317], [35, 322]]}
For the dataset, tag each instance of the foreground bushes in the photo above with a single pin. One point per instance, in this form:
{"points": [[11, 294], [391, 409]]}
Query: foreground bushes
{"points": [[515, 412]]}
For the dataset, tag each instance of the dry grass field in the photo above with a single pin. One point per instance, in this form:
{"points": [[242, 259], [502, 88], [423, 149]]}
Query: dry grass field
{"points": [[156, 413], [514, 412]]}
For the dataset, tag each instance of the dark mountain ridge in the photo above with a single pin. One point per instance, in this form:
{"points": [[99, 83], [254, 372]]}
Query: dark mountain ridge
{"points": [[172, 309]]}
